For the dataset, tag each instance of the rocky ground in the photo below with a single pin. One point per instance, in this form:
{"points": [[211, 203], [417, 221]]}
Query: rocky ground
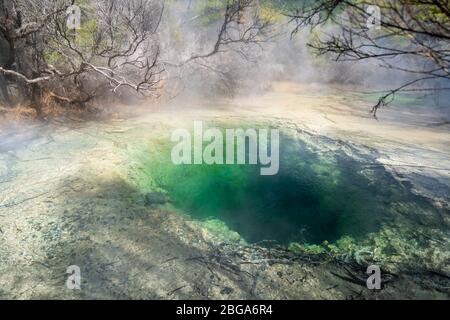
{"points": [[71, 194]]}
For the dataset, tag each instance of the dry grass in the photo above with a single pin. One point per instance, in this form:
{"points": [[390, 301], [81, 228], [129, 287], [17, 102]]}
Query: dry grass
{"points": [[18, 113]]}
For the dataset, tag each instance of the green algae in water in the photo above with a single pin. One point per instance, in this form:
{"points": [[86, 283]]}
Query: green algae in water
{"points": [[316, 196]]}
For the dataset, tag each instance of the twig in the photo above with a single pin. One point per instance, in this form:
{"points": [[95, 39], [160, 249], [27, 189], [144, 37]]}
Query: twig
{"points": [[175, 290]]}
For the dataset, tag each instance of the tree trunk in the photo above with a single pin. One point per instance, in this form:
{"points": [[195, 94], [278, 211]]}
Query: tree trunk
{"points": [[4, 91], [36, 100]]}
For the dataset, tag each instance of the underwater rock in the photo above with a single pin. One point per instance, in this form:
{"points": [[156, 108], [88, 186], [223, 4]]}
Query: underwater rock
{"points": [[156, 198], [220, 231]]}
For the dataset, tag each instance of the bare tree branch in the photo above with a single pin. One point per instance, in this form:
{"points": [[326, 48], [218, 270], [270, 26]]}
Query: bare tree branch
{"points": [[418, 30]]}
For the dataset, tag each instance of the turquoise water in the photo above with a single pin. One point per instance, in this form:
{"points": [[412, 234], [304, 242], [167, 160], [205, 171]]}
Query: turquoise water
{"points": [[316, 196]]}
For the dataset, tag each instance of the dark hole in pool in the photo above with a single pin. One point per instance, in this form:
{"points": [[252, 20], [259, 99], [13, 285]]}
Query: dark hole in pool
{"points": [[316, 196]]}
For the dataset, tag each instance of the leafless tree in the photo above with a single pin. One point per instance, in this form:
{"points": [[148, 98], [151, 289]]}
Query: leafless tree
{"points": [[116, 49], [241, 33], [241, 24], [417, 31]]}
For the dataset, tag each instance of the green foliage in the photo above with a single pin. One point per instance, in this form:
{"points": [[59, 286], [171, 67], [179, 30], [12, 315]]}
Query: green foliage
{"points": [[208, 12]]}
